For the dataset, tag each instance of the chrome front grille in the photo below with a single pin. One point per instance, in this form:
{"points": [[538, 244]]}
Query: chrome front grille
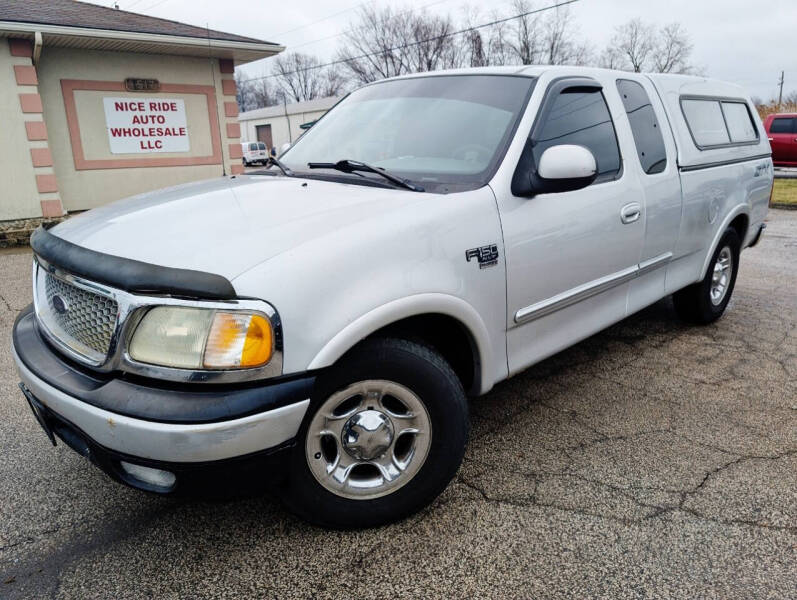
{"points": [[78, 318]]}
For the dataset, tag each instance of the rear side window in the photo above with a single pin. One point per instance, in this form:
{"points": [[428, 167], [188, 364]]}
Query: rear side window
{"points": [[782, 125], [739, 121], [582, 118], [644, 126], [706, 122]]}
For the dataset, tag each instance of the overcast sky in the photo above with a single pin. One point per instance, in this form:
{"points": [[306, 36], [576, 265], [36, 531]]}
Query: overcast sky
{"points": [[736, 40]]}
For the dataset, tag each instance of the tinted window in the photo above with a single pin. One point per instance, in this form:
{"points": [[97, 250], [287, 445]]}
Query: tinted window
{"points": [[705, 122], [447, 133], [644, 126], [261, 146], [739, 121], [252, 146], [581, 118], [782, 125]]}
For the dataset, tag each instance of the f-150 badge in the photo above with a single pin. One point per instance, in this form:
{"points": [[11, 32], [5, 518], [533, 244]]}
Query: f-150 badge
{"points": [[487, 256]]}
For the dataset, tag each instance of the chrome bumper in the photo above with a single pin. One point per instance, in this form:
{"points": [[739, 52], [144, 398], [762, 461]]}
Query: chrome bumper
{"points": [[169, 442]]}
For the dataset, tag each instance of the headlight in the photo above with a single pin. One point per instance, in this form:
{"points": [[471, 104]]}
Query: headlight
{"points": [[200, 338]]}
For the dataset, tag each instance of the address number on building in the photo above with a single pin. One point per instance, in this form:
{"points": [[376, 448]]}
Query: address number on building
{"points": [[145, 125]]}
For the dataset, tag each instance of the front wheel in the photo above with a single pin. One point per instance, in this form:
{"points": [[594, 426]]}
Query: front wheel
{"points": [[705, 301], [384, 435]]}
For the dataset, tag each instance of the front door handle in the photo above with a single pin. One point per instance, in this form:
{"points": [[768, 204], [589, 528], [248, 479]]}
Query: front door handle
{"points": [[630, 212]]}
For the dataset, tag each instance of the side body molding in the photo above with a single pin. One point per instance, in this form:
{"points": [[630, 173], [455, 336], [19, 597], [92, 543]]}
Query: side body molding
{"points": [[411, 306]]}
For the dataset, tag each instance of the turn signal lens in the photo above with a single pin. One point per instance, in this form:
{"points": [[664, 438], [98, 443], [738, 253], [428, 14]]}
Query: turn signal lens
{"points": [[238, 340]]}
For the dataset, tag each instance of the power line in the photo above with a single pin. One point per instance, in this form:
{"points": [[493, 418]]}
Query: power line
{"points": [[133, 4], [329, 37], [340, 12], [417, 43], [150, 7]]}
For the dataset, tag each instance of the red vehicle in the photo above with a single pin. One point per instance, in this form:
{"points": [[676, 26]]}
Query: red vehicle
{"points": [[782, 132]]}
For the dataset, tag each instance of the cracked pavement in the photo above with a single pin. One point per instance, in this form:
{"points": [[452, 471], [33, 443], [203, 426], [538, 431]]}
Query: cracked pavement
{"points": [[653, 460]]}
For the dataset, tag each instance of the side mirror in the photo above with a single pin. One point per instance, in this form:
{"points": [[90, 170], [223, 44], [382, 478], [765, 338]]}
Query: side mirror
{"points": [[567, 162], [284, 148], [561, 168]]}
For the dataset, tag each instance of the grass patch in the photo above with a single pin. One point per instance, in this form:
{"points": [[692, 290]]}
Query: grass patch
{"points": [[785, 192]]}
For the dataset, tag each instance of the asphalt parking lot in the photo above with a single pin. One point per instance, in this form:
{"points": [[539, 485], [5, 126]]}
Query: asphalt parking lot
{"points": [[651, 460]]}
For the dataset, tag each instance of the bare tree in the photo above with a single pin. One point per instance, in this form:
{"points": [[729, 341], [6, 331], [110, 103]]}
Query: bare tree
{"points": [[264, 92], [638, 46], [671, 50], [632, 45], [388, 42], [368, 50], [243, 92], [499, 48], [559, 38], [526, 41], [302, 77], [546, 38], [485, 46]]}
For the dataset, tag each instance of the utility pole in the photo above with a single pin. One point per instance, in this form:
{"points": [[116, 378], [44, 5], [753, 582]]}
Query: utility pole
{"points": [[780, 94]]}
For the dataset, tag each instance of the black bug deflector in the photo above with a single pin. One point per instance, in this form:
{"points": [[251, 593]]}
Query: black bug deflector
{"points": [[126, 274]]}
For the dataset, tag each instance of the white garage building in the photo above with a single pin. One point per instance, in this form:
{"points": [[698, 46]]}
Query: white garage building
{"points": [[276, 125]]}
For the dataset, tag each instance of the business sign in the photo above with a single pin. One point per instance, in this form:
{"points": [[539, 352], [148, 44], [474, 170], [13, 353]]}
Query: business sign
{"points": [[145, 125], [133, 84]]}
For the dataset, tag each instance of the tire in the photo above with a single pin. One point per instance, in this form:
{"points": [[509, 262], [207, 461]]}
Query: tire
{"points": [[703, 303], [246, 164], [401, 371]]}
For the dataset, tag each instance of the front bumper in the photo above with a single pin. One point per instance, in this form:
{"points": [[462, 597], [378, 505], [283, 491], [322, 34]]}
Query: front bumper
{"points": [[184, 427]]}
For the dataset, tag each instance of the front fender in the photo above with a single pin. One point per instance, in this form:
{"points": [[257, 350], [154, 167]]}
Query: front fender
{"points": [[411, 306]]}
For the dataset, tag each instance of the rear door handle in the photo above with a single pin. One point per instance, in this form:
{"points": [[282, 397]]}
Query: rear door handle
{"points": [[630, 212]]}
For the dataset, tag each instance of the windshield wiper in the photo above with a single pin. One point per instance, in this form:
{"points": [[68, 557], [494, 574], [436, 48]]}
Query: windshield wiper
{"points": [[273, 160], [352, 166]]}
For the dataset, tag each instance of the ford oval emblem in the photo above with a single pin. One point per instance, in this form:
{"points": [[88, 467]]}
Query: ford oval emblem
{"points": [[60, 305]]}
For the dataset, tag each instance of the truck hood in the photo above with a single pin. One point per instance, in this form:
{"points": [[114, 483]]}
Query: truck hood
{"points": [[227, 226]]}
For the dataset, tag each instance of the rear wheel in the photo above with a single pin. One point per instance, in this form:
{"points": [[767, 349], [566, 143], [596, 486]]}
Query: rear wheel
{"points": [[705, 301], [384, 435]]}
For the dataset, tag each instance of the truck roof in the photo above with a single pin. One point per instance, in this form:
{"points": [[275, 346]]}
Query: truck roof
{"points": [[666, 79]]}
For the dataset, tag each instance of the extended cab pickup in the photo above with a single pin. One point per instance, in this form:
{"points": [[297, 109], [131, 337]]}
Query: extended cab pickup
{"points": [[325, 319]]}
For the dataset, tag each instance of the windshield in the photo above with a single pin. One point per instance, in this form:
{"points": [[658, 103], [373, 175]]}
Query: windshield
{"points": [[444, 133]]}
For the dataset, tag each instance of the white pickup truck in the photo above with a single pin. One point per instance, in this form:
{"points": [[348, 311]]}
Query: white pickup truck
{"points": [[319, 324]]}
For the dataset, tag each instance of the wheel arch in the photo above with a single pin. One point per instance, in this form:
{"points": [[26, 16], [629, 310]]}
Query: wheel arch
{"points": [[413, 315], [739, 219]]}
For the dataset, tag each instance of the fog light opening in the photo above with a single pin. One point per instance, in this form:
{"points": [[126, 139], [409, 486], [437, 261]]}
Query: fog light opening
{"points": [[154, 477]]}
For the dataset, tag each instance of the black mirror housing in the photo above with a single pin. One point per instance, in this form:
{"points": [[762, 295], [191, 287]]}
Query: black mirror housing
{"points": [[526, 182]]}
